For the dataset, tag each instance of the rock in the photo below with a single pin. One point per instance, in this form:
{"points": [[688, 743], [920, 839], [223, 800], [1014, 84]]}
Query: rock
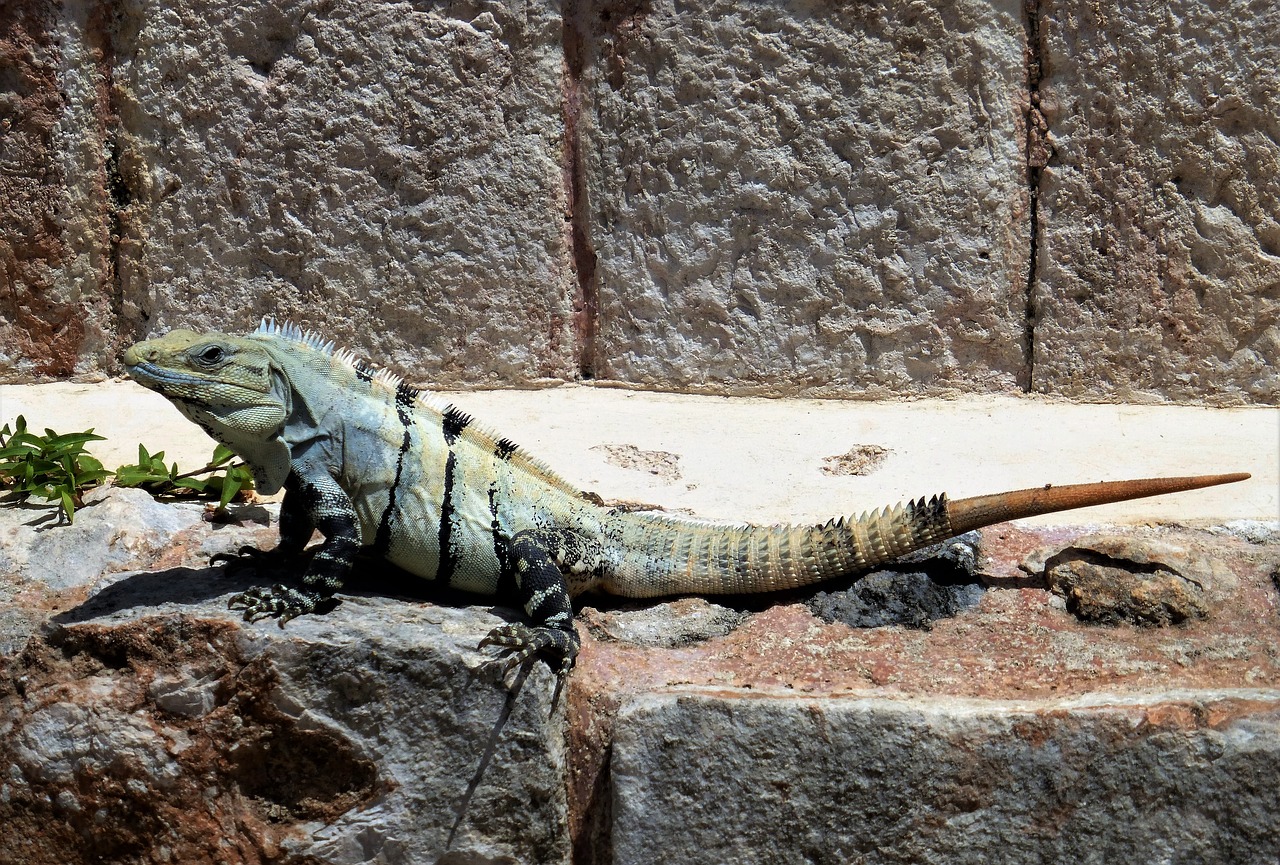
{"points": [[146, 724], [942, 586], [1108, 579], [56, 291], [48, 566], [665, 625], [389, 176], [148, 736], [1253, 531], [1158, 247], [1106, 592], [117, 529], [885, 598], [715, 776], [770, 215]]}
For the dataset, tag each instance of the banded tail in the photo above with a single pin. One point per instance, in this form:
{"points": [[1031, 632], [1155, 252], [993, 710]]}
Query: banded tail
{"points": [[667, 556]]}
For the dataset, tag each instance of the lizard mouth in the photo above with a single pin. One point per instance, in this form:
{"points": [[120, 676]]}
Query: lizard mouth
{"points": [[157, 378], [172, 382]]}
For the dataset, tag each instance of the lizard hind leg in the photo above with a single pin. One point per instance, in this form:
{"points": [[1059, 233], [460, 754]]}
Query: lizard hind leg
{"points": [[539, 560]]}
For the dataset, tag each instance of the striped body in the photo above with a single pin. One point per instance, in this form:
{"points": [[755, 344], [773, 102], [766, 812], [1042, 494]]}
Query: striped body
{"points": [[373, 463]]}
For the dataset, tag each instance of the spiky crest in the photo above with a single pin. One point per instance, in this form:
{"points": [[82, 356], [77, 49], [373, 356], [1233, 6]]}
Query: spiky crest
{"points": [[393, 386]]}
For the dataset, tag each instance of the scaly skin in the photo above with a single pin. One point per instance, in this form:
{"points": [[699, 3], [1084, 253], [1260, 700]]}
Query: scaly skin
{"points": [[375, 464]]}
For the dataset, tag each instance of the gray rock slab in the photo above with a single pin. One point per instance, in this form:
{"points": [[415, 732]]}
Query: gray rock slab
{"points": [[813, 197], [732, 777], [1159, 246], [116, 529], [345, 738], [389, 175]]}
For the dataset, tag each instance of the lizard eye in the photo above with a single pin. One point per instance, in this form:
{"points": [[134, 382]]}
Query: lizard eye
{"points": [[211, 355]]}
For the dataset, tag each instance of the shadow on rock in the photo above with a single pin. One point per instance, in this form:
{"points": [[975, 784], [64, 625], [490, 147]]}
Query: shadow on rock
{"points": [[196, 587], [183, 586]]}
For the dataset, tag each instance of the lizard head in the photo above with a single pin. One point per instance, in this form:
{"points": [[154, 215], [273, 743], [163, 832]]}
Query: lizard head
{"points": [[224, 383]]}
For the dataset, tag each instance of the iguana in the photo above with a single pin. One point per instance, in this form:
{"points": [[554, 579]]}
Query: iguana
{"points": [[373, 463]]}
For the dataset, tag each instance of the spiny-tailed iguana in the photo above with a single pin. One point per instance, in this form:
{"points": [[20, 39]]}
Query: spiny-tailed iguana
{"points": [[372, 462]]}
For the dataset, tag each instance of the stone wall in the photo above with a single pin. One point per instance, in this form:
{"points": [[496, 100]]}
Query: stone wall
{"points": [[805, 197]]}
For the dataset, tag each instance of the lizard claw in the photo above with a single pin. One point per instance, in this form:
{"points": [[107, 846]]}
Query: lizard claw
{"points": [[280, 601], [519, 644], [242, 557]]}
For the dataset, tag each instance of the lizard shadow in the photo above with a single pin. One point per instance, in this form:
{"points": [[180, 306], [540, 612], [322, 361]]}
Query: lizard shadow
{"points": [[196, 587], [938, 582]]}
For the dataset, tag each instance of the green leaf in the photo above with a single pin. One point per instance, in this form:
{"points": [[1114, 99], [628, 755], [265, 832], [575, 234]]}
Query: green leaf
{"points": [[71, 439], [68, 506], [230, 487], [222, 454]]}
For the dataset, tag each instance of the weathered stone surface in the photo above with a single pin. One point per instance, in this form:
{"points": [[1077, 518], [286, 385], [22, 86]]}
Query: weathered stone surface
{"points": [[46, 567], [352, 736], [1159, 247], [667, 625], [55, 238], [124, 529], [345, 738], [930, 584], [807, 196], [706, 776], [349, 737], [389, 175], [1107, 579]]}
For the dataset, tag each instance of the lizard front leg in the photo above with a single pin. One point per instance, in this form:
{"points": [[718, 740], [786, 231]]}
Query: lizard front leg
{"points": [[296, 526], [313, 500], [540, 560]]}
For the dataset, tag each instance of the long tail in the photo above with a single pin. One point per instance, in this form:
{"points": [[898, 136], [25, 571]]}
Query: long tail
{"points": [[669, 556]]}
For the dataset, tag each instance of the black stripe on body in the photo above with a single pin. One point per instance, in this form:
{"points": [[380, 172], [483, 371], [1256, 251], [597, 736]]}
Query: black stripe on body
{"points": [[383, 541], [364, 372], [405, 395], [448, 555], [501, 548], [506, 447]]}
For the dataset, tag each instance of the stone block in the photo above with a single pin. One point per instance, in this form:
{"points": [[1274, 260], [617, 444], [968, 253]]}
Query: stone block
{"points": [[701, 776], [56, 245], [140, 720], [388, 175], [1158, 245], [137, 733], [809, 196]]}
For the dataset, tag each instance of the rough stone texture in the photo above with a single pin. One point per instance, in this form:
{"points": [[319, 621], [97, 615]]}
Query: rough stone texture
{"points": [[56, 269], [705, 776], [351, 737], [149, 725], [930, 584], [781, 197], [1111, 579], [807, 196], [389, 175], [1158, 261]]}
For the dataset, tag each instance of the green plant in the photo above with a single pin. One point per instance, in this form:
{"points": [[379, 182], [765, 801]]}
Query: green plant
{"points": [[224, 481], [54, 467], [57, 468]]}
